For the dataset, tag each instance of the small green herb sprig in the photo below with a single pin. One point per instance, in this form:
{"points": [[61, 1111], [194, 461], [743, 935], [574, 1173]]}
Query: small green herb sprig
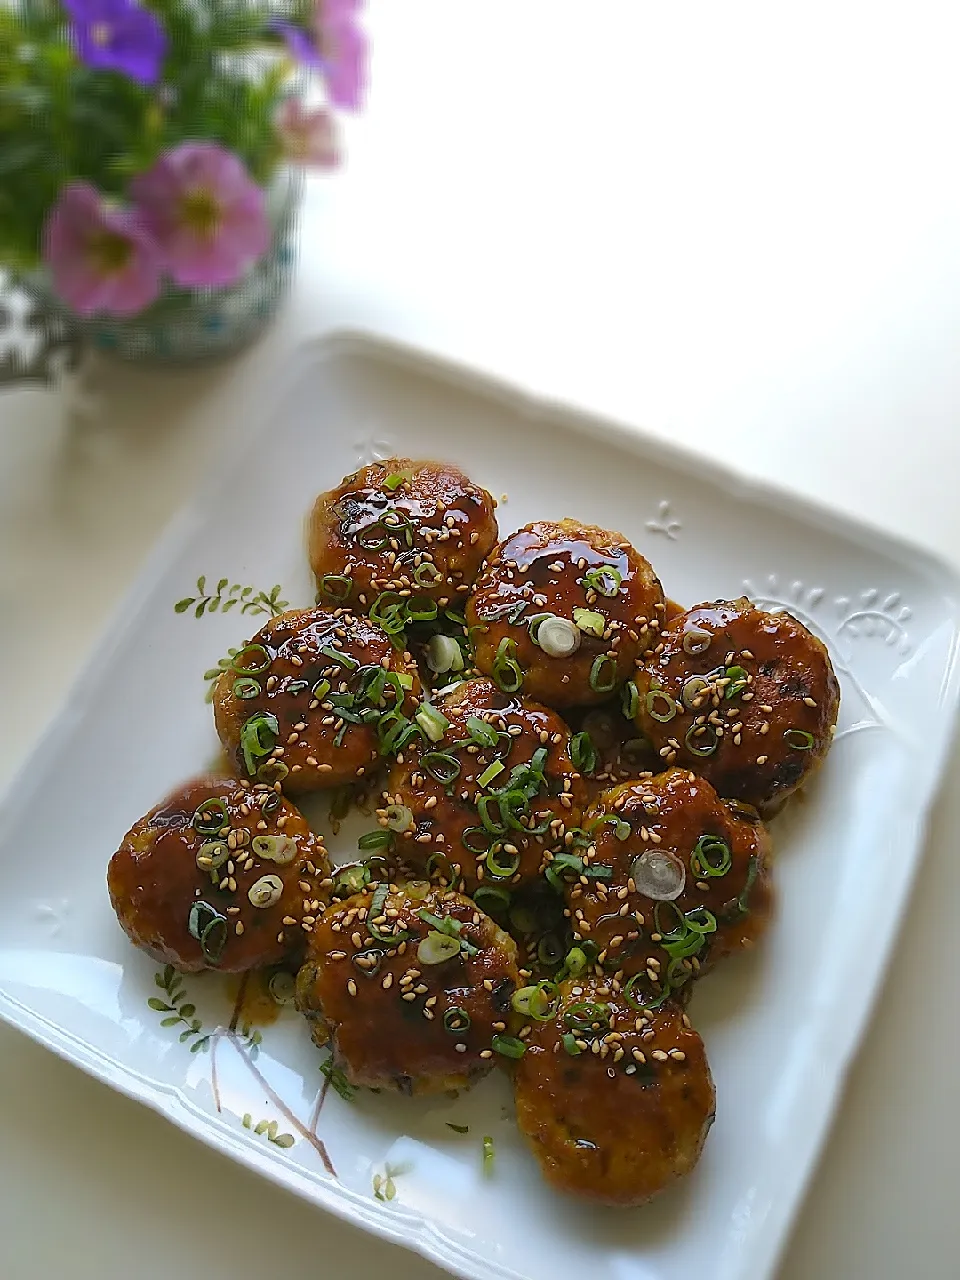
{"points": [[178, 1009], [384, 1187], [338, 1080], [269, 1130], [251, 1041], [249, 601]]}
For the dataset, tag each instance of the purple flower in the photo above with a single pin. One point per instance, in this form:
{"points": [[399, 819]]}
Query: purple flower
{"points": [[117, 35], [100, 258], [343, 51], [336, 47], [307, 136], [205, 212]]}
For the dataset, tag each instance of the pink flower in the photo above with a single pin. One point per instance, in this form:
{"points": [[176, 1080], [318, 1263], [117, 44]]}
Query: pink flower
{"points": [[205, 212], [101, 258], [343, 51], [307, 136]]}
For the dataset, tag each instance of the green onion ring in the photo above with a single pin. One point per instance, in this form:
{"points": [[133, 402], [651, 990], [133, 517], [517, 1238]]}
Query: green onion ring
{"points": [[245, 669], [599, 682], [507, 672], [799, 739], [660, 695]]}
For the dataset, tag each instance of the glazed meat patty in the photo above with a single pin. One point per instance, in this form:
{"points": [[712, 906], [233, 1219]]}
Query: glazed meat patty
{"points": [[615, 1100], [300, 704], [418, 529], [485, 799], [563, 611], [410, 987], [223, 874], [747, 699], [674, 878]]}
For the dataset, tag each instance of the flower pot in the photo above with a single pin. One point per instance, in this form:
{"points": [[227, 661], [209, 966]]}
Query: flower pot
{"points": [[187, 326]]}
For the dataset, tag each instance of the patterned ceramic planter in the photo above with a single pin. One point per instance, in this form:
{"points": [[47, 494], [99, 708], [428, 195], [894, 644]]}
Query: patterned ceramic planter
{"points": [[183, 326]]}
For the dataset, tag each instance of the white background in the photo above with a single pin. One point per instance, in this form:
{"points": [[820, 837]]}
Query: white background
{"points": [[735, 224]]}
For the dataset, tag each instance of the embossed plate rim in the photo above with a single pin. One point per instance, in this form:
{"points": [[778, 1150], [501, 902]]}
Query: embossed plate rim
{"points": [[410, 1228]]}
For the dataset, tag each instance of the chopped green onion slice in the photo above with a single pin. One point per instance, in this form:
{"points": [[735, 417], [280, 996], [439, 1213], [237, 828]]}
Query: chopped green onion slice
{"points": [[675, 931], [576, 962], [395, 480], [440, 866], [502, 865], [477, 840], [456, 1021], [660, 706], [260, 660], [272, 771], [246, 687], [691, 691], [441, 765], [482, 733], [212, 854], [603, 673], [420, 609], [426, 574], [493, 813], [711, 857], [639, 998], [510, 1047], [630, 700], [658, 874], [321, 689], [583, 753], [738, 907], [701, 739], [433, 722], [351, 879], [442, 653], [701, 920], [738, 682], [209, 927], [378, 839], [488, 1155], [336, 586], [799, 739], [538, 1002], [696, 640], [399, 817], [386, 932], [604, 579], [570, 1043], [388, 612], [437, 947], [557, 637], [492, 899], [586, 1016], [506, 670], [278, 849], [590, 622], [210, 817], [490, 772], [338, 656]]}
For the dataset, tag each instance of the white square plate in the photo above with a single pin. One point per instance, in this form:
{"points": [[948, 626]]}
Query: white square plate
{"points": [[780, 1025]]}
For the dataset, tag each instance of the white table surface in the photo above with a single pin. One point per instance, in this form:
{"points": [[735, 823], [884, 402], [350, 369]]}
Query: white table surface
{"points": [[737, 225]]}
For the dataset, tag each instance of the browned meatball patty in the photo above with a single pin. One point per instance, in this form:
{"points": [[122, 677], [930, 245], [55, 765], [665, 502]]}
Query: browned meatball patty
{"points": [[421, 529], [747, 699], [211, 877], [300, 703], [563, 611], [675, 879], [618, 1125], [488, 797], [410, 987]]}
